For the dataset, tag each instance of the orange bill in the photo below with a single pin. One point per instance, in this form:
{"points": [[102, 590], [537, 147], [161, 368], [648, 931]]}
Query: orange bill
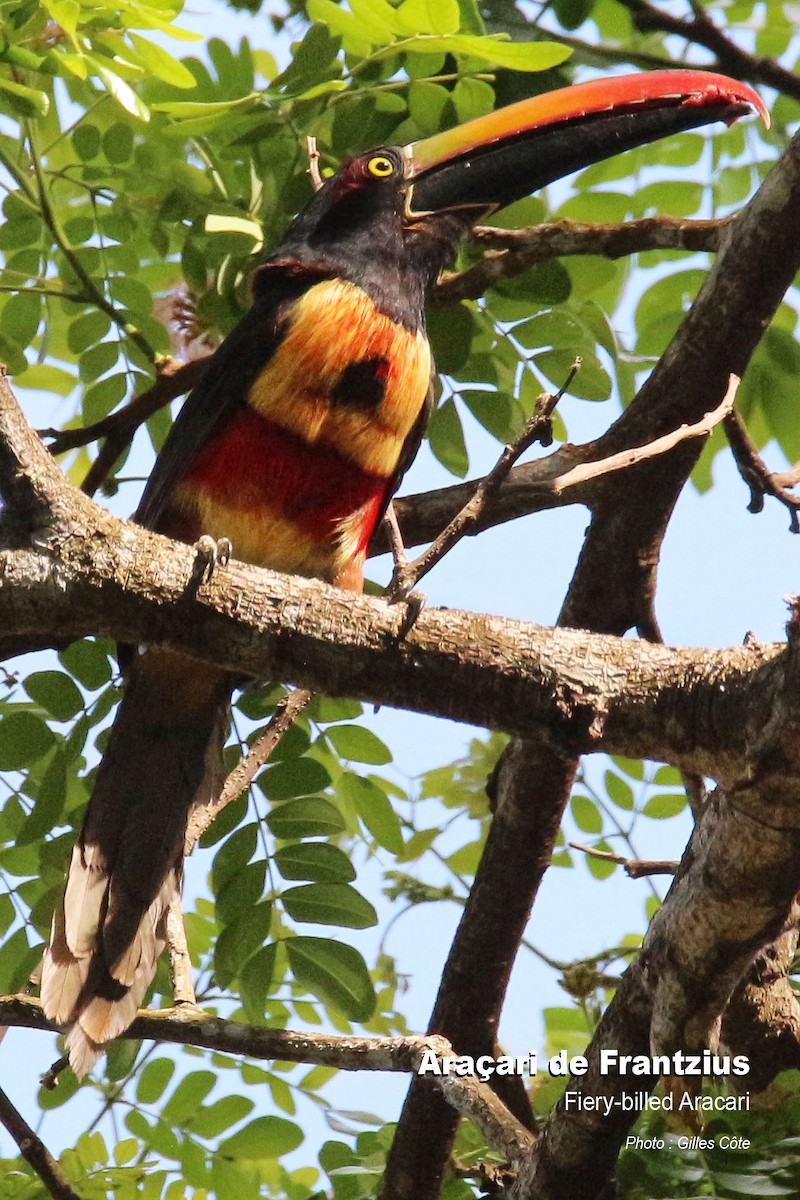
{"points": [[493, 160]]}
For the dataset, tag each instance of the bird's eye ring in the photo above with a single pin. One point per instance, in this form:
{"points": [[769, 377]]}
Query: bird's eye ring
{"points": [[380, 166]]}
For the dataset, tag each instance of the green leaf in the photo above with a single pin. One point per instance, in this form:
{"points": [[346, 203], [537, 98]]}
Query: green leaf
{"points": [[214, 1119], [586, 814], [101, 398], [310, 817], [122, 92], [153, 1080], [375, 810], [334, 972], [87, 330], [293, 777], [429, 16], [118, 142], [162, 64], [24, 739], [329, 904], [88, 661], [20, 317], [86, 141], [619, 791], [47, 784], [600, 868], [446, 438], [497, 412], [21, 100], [187, 1097], [255, 980], [664, 806], [515, 56], [591, 382], [241, 891], [241, 939], [47, 378], [97, 360], [216, 223], [359, 744], [324, 709], [319, 862], [210, 111], [265, 1137]]}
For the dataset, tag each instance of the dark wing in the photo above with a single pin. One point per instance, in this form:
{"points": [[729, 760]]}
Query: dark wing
{"points": [[231, 373]]}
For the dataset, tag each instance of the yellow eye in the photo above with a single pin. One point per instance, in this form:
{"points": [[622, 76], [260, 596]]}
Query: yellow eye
{"points": [[381, 166]]}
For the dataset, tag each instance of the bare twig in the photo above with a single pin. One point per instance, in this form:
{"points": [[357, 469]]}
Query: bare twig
{"points": [[173, 380], [313, 163], [180, 962], [629, 458], [34, 1151], [756, 474], [635, 868], [538, 429], [246, 769], [119, 427], [49, 1080]]}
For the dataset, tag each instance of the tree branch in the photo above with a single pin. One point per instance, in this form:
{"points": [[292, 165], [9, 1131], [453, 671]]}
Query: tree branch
{"points": [[756, 474], [512, 251], [34, 1151], [189, 1026]]}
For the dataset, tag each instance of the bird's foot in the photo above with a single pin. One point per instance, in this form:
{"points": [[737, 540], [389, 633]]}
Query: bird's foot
{"points": [[212, 553], [414, 603]]}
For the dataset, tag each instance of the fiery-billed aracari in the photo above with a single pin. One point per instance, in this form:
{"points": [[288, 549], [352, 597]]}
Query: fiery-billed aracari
{"points": [[291, 447]]}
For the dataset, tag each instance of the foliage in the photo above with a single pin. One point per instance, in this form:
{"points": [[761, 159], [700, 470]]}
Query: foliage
{"points": [[142, 177]]}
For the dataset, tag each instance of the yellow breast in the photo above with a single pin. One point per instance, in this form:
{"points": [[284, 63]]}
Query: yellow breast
{"points": [[346, 376]]}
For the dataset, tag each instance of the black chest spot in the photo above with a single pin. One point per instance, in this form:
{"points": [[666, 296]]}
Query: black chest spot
{"points": [[361, 384]]}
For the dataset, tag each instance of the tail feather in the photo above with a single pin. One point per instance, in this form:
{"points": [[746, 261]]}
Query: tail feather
{"points": [[162, 757]]}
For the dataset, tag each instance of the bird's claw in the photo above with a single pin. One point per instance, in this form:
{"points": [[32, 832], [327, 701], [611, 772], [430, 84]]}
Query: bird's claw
{"points": [[414, 603], [212, 553]]}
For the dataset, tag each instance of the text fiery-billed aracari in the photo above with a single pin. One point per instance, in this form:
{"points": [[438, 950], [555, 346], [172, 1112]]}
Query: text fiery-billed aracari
{"points": [[291, 447]]}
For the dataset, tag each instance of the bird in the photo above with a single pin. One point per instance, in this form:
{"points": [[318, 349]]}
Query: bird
{"points": [[292, 445]]}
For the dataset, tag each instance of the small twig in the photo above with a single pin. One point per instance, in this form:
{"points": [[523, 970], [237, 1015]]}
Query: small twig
{"points": [[313, 163], [756, 474], [539, 428], [34, 1151], [173, 380], [180, 962], [119, 427], [246, 769], [630, 458], [635, 868], [395, 538], [49, 1080]]}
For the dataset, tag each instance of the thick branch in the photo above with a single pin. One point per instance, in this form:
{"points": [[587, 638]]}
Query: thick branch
{"points": [[762, 1019], [677, 705], [189, 1026]]}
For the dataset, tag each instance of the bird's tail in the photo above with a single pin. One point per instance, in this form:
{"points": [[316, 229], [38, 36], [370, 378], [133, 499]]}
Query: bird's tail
{"points": [[164, 753]]}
